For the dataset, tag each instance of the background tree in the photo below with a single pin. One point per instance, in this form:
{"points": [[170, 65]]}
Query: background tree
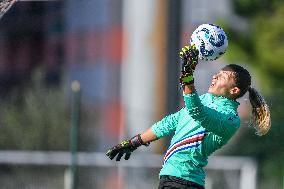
{"points": [[261, 46], [35, 118]]}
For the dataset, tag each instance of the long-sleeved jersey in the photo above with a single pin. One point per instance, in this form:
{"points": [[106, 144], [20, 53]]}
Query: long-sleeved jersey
{"points": [[204, 125]]}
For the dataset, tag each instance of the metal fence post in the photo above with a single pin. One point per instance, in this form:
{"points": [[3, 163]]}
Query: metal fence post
{"points": [[75, 115]]}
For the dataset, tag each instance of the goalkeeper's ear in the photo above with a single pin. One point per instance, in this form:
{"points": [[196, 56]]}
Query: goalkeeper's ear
{"points": [[235, 92]]}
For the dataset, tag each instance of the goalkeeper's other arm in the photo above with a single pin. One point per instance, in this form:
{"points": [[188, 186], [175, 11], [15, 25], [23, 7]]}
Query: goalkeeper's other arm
{"points": [[128, 146]]}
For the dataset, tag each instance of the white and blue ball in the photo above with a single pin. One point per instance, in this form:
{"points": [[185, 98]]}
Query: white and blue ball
{"points": [[210, 40]]}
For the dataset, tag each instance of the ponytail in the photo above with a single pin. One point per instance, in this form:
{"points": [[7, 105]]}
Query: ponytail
{"points": [[260, 119]]}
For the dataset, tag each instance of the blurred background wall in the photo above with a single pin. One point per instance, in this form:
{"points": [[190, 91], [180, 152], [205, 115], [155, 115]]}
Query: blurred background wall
{"points": [[124, 54]]}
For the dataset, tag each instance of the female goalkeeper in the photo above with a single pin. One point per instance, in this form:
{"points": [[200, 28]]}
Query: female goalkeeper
{"points": [[205, 124]]}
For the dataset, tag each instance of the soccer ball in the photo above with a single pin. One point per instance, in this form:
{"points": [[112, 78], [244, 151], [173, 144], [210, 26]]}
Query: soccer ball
{"points": [[210, 40]]}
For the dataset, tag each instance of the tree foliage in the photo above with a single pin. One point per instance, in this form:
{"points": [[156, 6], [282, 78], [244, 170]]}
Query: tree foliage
{"points": [[261, 46], [35, 119]]}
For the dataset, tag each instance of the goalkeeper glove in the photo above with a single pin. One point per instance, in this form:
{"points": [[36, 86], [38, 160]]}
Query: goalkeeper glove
{"points": [[125, 147], [189, 59]]}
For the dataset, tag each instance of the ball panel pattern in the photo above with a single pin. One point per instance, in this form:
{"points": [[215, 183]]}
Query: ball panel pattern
{"points": [[210, 40]]}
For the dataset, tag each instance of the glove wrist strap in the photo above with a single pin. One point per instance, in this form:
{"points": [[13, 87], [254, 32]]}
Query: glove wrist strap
{"points": [[186, 79], [137, 141]]}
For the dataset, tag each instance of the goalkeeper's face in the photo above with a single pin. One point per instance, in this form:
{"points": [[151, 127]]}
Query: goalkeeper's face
{"points": [[223, 84]]}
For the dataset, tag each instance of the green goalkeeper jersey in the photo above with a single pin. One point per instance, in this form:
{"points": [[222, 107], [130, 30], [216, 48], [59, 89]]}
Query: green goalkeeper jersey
{"points": [[204, 125]]}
